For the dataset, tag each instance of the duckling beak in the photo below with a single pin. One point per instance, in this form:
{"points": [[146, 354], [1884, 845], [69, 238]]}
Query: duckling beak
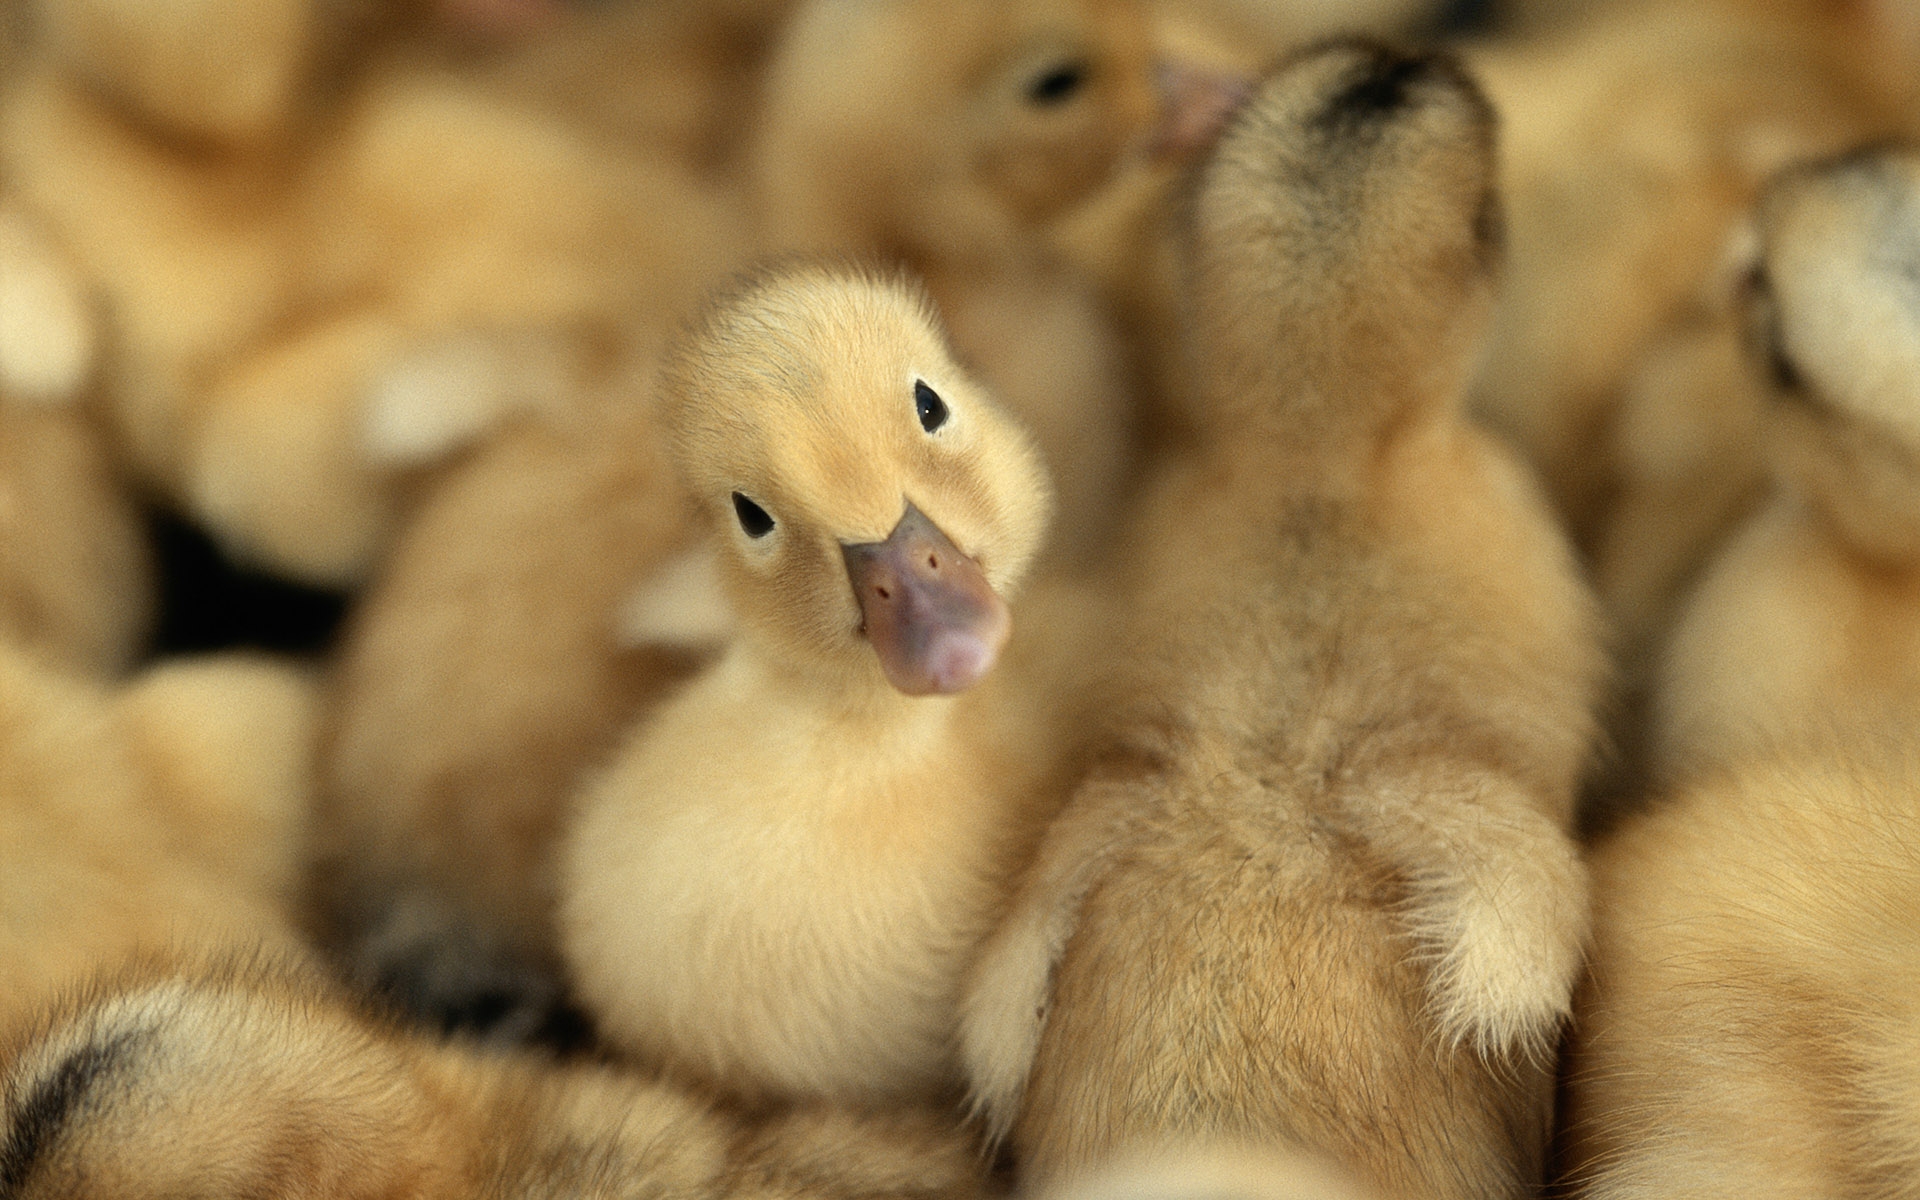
{"points": [[1195, 105], [934, 620]]}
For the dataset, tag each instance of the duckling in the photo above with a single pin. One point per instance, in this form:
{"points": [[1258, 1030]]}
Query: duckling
{"points": [[1809, 609], [777, 882], [1637, 141], [1753, 941], [1318, 888], [464, 291], [167, 810], [411, 778], [252, 1077], [1748, 1027]]}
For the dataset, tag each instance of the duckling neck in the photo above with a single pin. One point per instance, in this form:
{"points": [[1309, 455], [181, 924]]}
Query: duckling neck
{"points": [[852, 698]]}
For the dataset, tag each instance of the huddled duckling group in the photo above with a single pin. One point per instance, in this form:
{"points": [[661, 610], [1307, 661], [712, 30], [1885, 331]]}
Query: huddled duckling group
{"points": [[1072, 598]]}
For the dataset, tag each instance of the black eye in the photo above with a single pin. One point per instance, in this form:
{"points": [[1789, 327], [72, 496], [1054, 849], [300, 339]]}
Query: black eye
{"points": [[932, 409], [753, 519], [1057, 84]]}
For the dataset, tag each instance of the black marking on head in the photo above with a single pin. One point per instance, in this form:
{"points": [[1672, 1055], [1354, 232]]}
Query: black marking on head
{"points": [[930, 407], [1380, 87], [755, 521], [35, 1126], [1057, 84]]}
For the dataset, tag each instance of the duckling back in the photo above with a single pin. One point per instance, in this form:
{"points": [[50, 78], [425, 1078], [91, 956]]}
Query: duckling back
{"points": [[1320, 889]]}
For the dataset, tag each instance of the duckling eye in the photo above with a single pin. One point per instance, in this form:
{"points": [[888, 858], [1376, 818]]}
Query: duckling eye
{"points": [[754, 520], [1057, 84], [932, 409]]}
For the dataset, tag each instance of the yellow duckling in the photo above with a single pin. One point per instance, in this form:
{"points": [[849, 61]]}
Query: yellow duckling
{"points": [[440, 814], [779, 881]]}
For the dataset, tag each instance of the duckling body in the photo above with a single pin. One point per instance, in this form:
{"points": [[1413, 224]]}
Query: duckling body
{"points": [[778, 882], [1748, 1025], [817, 876], [1319, 888]]}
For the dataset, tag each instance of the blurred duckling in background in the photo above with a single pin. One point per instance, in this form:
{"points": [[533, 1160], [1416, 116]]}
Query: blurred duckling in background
{"points": [[1636, 141], [778, 882], [256, 1079], [1810, 608], [1320, 891], [462, 720]]}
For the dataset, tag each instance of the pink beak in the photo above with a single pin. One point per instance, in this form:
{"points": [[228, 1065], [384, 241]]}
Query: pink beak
{"points": [[1195, 105], [935, 622]]}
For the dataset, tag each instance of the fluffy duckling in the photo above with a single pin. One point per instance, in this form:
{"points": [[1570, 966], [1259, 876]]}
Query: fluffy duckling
{"points": [[166, 811], [777, 883], [1637, 140], [1809, 609], [1748, 1026], [243, 1079], [1320, 889], [419, 787]]}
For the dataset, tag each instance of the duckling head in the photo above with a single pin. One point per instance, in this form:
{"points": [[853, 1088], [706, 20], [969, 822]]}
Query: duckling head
{"points": [[904, 125], [1833, 313], [869, 504]]}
